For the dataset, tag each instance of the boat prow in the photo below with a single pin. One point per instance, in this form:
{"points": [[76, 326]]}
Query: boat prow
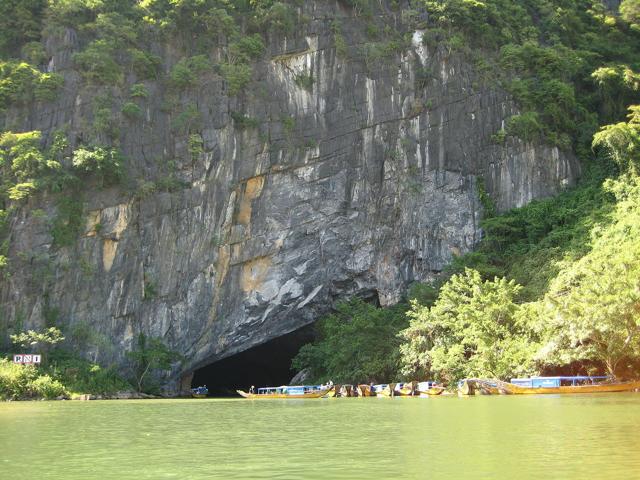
{"points": [[200, 392]]}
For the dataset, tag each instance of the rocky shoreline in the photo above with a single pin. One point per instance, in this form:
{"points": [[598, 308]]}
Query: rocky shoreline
{"points": [[122, 395]]}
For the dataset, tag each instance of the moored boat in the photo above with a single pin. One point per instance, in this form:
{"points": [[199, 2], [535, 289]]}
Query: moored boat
{"points": [[407, 389], [577, 384], [385, 389], [480, 386], [334, 391], [200, 392], [546, 385], [287, 391], [429, 389], [347, 391], [366, 390]]}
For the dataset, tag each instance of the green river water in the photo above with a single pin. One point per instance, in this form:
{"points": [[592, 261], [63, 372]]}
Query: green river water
{"points": [[581, 436]]}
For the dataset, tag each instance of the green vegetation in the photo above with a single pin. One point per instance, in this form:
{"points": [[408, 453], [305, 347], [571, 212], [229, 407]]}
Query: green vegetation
{"points": [[61, 373], [42, 341], [185, 73], [474, 329], [242, 121], [132, 111], [21, 83], [551, 285], [66, 225], [150, 355], [64, 375], [304, 80], [571, 63], [26, 381], [358, 341]]}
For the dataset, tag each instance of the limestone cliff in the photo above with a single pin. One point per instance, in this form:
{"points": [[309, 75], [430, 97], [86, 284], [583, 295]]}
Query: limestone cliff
{"points": [[357, 183]]}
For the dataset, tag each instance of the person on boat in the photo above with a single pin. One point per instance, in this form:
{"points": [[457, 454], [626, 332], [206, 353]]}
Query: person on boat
{"points": [[252, 389]]}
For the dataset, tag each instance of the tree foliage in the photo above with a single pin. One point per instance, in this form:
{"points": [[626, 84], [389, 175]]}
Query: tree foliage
{"points": [[474, 329], [39, 340], [149, 356], [621, 141], [20, 22], [358, 343], [593, 306]]}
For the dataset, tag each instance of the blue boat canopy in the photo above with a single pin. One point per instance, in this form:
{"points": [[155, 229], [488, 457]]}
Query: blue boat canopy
{"points": [[551, 382]]}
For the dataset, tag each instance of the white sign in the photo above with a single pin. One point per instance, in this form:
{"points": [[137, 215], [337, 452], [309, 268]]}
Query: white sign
{"points": [[27, 358]]}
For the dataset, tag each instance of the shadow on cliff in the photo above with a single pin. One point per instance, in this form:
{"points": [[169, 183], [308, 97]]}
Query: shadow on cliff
{"points": [[268, 364]]}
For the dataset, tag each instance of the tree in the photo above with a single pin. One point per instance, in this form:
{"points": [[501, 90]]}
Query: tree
{"points": [[20, 22], [103, 163], [630, 11], [594, 304], [358, 343], [42, 340], [475, 328], [621, 141], [151, 354]]}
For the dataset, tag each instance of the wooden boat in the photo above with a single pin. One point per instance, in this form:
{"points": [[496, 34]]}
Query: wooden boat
{"points": [[385, 390], [429, 389], [200, 392], [480, 386], [333, 392], [366, 390], [286, 391], [546, 385], [348, 391], [407, 389], [578, 384]]}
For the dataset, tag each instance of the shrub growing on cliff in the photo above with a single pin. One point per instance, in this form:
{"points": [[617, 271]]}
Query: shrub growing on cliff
{"points": [[104, 164], [132, 111], [21, 83], [186, 72], [98, 63], [20, 22], [237, 76], [621, 141]]}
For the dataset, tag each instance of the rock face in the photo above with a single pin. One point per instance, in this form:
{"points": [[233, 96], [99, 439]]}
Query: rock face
{"points": [[358, 184]]}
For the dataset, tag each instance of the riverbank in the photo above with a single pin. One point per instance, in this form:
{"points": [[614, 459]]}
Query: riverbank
{"points": [[63, 377], [126, 395]]}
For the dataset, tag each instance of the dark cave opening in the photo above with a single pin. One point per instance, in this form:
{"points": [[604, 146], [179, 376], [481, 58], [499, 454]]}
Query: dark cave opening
{"points": [[268, 364]]}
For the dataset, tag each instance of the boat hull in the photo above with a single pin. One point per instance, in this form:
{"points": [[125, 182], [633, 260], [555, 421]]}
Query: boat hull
{"points": [[266, 396], [598, 388], [495, 387], [365, 391], [199, 395], [431, 392]]}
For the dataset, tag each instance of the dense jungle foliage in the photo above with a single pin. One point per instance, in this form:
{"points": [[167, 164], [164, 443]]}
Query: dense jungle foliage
{"points": [[553, 286]]}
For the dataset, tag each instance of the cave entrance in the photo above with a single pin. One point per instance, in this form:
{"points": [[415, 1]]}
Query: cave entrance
{"points": [[268, 364]]}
